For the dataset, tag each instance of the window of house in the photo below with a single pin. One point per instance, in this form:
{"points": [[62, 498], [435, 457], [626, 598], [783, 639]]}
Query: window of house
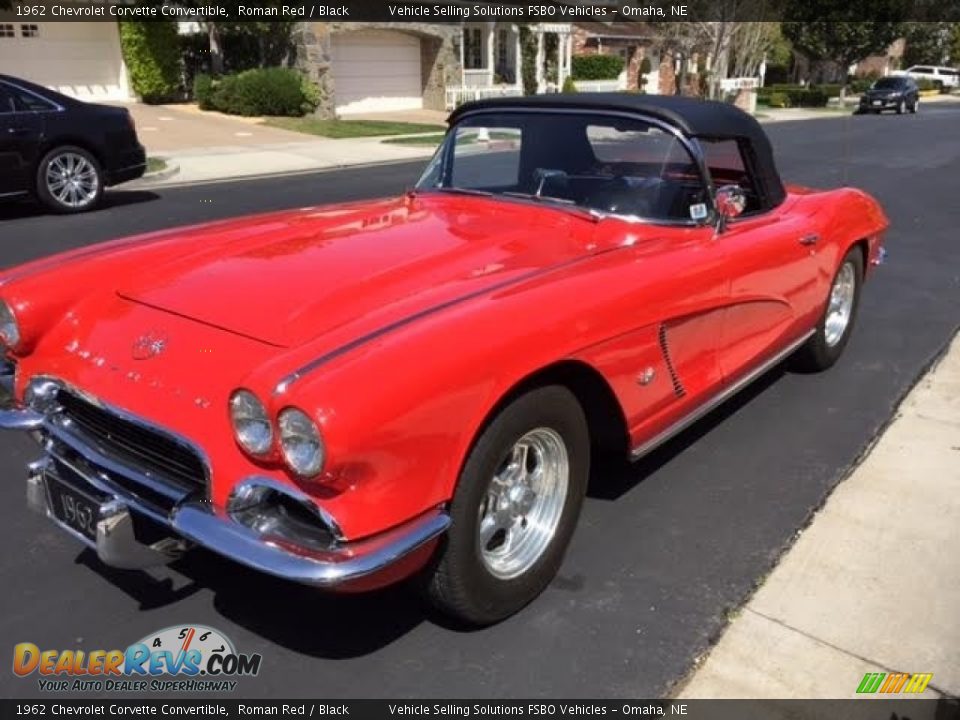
{"points": [[30, 31], [6, 30], [473, 48]]}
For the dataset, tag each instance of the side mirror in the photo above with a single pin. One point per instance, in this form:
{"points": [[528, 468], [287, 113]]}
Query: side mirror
{"points": [[730, 202]]}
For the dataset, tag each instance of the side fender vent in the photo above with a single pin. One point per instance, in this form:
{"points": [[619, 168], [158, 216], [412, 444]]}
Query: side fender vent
{"points": [[678, 388]]}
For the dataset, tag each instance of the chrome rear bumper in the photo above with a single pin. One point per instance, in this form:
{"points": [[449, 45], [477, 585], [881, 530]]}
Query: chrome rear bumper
{"points": [[250, 536]]}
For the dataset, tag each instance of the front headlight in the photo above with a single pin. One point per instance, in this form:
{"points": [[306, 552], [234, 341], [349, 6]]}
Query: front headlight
{"points": [[251, 424], [9, 329], [301, 443]]}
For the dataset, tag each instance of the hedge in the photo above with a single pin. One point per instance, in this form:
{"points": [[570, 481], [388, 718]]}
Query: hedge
{"points": [[597, 67], [797, 95], [152, 53], [262, 91]]}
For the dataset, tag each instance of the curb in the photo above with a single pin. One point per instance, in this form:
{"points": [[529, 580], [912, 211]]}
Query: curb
{"points": [[156, 180], [159, 175]]}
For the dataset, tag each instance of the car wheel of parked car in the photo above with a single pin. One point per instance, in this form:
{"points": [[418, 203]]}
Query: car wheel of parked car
{"points": [[826, 345], [901, 107], [916, 106], [515, 508], [69, 180]]}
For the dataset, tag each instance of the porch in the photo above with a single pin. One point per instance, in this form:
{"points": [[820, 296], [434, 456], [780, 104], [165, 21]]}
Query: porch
{"points": [[491, 60]]}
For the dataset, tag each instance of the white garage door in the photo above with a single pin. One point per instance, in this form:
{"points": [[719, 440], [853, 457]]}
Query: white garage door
{"points": [[375, 71], [81, 59]]}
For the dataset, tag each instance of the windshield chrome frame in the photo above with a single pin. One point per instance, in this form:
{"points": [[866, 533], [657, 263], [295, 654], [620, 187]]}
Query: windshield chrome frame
{"points": [[445, 151]]}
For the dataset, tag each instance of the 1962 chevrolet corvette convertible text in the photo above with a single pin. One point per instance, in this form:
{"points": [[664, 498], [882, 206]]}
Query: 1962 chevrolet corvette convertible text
{"points": [[349, 395]]}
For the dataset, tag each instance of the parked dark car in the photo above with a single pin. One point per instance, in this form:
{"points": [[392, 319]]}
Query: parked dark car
{"points": [[891, 93], [62, 151]]}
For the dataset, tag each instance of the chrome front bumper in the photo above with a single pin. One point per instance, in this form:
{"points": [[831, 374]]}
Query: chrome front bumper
{"points": [[194, 521]]}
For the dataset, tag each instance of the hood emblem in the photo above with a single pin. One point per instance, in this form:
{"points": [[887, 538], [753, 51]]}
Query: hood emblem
{"points": [[148, 345]]}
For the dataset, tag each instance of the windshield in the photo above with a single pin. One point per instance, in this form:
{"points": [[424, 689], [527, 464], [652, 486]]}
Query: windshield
{"points": [[600, 163], [888, 84]]}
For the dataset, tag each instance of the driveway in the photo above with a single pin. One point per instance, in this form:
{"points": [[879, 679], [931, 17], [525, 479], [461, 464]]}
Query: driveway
{"points": [[176, 128]]}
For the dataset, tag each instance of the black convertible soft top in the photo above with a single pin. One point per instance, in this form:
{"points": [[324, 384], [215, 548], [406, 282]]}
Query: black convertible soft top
{"points": [[695, 118]]}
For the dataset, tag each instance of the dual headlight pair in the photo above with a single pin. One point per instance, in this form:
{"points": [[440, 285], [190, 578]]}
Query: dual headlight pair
{"points": [[9, 329], [299, 438]]}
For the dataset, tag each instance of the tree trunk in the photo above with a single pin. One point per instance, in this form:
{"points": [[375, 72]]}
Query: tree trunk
{"points": [[216, 51]]}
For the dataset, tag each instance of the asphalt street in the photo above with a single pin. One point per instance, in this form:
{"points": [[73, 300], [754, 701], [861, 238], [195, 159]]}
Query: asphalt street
{"points": [[664, 552]]}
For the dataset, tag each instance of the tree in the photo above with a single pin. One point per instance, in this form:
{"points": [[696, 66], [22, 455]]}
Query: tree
{"points": [[927, 43], [823, 29]]}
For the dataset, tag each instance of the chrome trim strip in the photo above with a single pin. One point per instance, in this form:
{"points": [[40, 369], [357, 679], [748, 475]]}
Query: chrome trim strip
{"points": [[288, 380], [714, 402], [339, 565], [20, 419]]}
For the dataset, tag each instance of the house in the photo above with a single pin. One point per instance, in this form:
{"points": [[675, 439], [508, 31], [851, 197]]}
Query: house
{"points": [[634, 41], [81, 59], [387, 66]]}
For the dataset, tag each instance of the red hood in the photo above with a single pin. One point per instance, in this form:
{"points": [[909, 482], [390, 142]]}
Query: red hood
{"points": [[286, 279]]}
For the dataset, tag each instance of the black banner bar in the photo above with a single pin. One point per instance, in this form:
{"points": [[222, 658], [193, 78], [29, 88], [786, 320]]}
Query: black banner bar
{"points": [[441, 11], [874, 708]]}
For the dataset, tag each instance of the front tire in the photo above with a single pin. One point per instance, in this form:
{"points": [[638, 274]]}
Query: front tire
{"points": [[915, 107], [69, 180], [515, 508], [901, 107], [833, 331]]}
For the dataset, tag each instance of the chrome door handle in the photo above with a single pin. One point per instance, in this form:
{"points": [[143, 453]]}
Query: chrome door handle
{"points": [[811, 239]]}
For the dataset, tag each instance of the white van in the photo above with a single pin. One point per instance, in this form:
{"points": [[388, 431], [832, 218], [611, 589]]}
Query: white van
{"points": [[941, 76]]}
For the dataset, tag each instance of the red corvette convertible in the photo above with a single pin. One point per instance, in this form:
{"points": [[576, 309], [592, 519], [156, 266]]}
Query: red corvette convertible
{"points": [[347, 395]]}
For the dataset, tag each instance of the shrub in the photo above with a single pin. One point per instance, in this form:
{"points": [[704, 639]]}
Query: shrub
{"points": [[830, 90], [597, 67], [152, 54], [203, 88], [568, 85], [928, 84], [797, 95], [265, 91], [860, 85], [778, 100]]}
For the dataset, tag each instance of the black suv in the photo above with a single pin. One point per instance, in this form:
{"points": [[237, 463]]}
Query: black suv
{"points": [[898, 93]]}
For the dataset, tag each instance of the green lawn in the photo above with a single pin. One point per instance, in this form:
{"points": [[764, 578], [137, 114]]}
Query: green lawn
{"points": [[155, 164], [349, 128], [416, 140]]}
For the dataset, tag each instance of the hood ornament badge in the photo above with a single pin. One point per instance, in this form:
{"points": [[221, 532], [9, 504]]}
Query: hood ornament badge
{"points": [[148, 345]]}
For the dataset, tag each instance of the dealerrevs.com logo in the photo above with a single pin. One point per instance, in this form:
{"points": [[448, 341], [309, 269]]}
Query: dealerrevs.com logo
{"points": [[183, 658]]}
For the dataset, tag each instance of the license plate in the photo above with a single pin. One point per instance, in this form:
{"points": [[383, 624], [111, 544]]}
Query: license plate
{"points": [[878, 102], [74, 508]]}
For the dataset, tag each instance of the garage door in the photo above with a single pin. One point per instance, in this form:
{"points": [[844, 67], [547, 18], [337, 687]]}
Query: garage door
{"points": [[376, 70], [81, 59]]}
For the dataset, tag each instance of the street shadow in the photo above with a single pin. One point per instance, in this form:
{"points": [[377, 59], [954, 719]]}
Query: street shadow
{"points": [[23, 209], [611, 480]]}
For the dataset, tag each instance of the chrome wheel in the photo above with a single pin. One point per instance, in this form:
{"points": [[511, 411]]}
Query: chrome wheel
{"points": [[523, 504], [72, 180], [840, 308]]}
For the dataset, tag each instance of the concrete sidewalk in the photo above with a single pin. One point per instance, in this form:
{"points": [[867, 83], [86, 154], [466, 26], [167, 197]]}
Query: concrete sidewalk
{"points": [[873, 584]]}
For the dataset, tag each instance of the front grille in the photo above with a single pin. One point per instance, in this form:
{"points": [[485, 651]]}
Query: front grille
{"points": [[148, 451]]}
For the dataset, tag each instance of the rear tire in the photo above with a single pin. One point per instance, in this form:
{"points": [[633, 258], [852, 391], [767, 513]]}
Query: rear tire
{"points": [[901, 107], [69, 180], [494, 561], [833, 330]]}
